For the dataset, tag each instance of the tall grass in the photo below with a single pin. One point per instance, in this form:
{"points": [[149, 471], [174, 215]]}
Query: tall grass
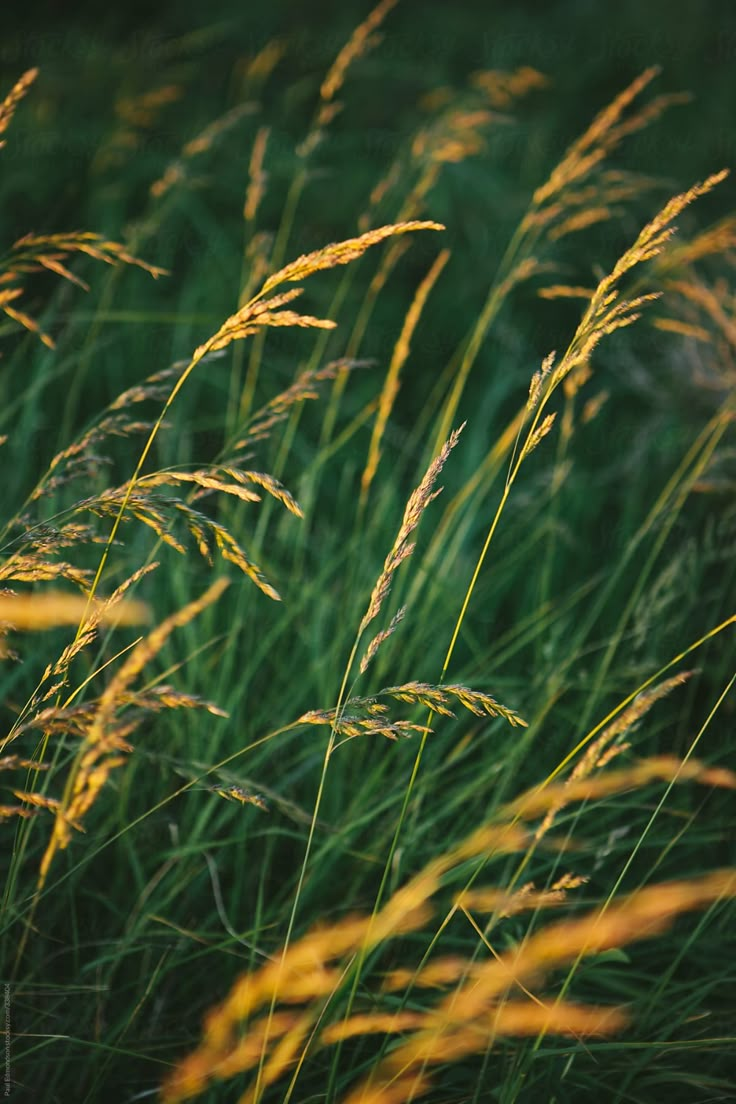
{"points": [[298, 836]]}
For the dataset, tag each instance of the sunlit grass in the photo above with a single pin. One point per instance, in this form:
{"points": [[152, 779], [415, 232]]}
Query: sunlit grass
{"points": [[298, 837]]}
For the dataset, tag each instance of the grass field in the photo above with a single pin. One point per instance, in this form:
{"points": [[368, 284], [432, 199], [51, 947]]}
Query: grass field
{"points": [[367, 580]]}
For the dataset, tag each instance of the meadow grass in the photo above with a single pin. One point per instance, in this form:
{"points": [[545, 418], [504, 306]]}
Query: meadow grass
{"points": [[325, 781]]}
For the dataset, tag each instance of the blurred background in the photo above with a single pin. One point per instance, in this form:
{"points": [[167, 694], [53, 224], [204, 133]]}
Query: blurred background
{"points": [[124, 88]]}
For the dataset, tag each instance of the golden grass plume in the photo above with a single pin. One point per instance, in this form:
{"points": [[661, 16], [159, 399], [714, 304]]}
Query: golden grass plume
{"points": [[13, 98], [403, 547], [400, 354], [105, 740], [36, 612], [50, 252], [363, 38], [479, 1008]]}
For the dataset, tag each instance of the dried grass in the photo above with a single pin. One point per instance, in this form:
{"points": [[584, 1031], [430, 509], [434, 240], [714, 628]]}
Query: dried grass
{"points": [[363, 38], [399, 357], [13, 98], [462, 1004], [42, 611], [403, 547], [102, 745], [479, 1010], [38, 253]]}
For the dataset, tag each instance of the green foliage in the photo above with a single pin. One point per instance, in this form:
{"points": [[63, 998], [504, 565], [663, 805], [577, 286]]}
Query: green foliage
{"points": [[184, 802]]}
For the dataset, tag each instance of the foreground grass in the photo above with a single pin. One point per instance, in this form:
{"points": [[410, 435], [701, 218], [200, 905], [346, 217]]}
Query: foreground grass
{"points": [[333, 825]]}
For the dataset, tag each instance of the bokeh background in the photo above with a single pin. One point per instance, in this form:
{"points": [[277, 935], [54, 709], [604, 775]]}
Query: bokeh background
{"points": [[75, 162], [75, 159]]}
